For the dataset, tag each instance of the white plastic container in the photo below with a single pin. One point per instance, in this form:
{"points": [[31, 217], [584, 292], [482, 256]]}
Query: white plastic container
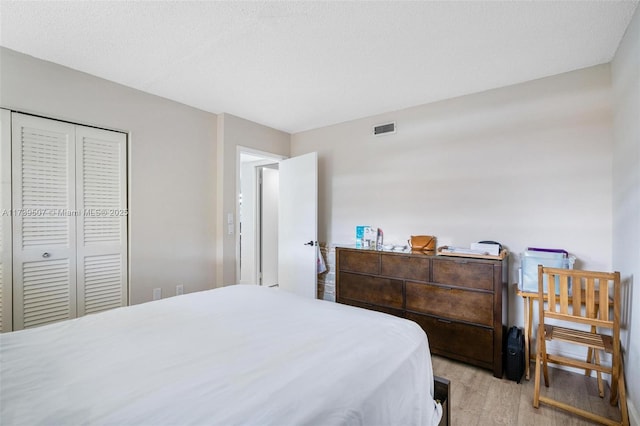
{"points": [[529, 268]]}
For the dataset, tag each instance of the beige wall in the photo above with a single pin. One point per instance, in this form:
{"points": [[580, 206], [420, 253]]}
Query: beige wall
{"points": [[172, 166], [526, 165], [234, 132], [625, 72]]}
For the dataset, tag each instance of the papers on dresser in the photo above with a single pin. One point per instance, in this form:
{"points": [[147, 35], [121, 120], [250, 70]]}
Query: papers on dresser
{"points": [[486, 248], [462, 250]]}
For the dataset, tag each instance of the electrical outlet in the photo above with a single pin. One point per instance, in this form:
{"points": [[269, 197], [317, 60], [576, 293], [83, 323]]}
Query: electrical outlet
{"points": [[157, 293], [179, 289]]}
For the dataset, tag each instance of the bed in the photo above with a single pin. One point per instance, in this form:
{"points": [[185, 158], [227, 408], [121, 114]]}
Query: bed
{"points": [[237, 355]]}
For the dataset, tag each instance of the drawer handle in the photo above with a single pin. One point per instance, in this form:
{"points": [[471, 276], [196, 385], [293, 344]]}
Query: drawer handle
{"points": [[444, 321]]}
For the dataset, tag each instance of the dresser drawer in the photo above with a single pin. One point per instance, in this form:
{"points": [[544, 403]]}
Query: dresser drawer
{"points": [[359, 261], [369, 306], [456, 300], [368, 289], [464, 273], [407, 267], [451, 303], [456, 340]]}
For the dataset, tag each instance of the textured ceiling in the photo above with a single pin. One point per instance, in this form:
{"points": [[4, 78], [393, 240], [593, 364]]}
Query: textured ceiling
{"points": [[301, 65]]}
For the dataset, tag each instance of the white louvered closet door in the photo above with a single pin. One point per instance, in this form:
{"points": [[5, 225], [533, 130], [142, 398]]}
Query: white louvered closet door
{"points": [[44, 239], [5, 222], [102, 226]]}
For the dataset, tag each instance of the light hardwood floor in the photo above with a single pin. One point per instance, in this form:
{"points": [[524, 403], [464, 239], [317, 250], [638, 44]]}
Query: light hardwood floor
{"points": [[478, 398]]}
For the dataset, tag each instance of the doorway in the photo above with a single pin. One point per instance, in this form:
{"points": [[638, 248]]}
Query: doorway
{"points": [[257, 241]]}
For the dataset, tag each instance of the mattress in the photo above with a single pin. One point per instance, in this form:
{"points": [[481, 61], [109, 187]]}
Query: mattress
{"points": [[237, 355]]}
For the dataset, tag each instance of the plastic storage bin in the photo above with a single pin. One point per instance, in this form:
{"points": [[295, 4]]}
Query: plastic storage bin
{"points": [[529, 268]]}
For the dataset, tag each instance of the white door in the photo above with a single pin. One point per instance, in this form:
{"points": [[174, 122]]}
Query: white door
{"points": [[102, 225], [70, 220], [298, 225], [5, 221], [44, 238]]}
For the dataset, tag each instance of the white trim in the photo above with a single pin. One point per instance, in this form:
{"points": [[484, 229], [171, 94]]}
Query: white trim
{"points": [[7, 226], [129, 227], [258, 153]]}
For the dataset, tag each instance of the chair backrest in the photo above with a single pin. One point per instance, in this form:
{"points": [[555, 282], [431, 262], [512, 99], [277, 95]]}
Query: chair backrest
{"points": [[585, 297]]}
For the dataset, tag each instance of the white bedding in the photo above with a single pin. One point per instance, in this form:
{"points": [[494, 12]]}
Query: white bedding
{"points": [[235, 355]]}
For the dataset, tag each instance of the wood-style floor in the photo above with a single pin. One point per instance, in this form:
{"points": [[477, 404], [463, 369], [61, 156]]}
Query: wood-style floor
{"points": [[478, 398]]}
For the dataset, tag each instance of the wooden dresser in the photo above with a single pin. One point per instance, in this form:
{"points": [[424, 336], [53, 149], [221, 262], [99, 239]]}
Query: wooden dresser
{"points": [[461, 303]]}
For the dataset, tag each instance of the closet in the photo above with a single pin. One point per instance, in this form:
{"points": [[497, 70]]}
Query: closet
{"points": [[68, 221]]}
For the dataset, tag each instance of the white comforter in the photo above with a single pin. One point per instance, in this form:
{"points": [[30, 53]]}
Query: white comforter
{"points": [[235, 355]]}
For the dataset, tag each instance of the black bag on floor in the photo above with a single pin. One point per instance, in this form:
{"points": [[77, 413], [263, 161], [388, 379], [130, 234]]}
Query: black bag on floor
{"points": [[515, 354]]}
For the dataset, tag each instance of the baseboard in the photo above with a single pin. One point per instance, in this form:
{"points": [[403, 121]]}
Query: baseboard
{"points": [[634, 415]]}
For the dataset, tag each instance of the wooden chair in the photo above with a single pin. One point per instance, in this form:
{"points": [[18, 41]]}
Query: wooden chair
{"points": [[584, 304]]}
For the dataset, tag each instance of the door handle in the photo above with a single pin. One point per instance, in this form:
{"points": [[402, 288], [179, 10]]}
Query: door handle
{"points": [[310, 243]]}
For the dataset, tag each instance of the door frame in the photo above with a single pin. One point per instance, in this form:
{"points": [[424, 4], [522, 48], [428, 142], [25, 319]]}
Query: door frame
{"points": [[267, 203], [267, 156], [6, 216]]}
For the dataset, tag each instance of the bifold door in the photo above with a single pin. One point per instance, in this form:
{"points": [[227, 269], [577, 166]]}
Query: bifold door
{"points": [[69, 220], [102, 227], [44, 239]]}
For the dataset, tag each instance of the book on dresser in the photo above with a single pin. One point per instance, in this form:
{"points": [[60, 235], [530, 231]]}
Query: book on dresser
{"points": [[461, 303]]}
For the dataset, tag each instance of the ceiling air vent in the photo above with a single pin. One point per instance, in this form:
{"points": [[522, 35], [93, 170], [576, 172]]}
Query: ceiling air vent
{"points": [[384, 129]]}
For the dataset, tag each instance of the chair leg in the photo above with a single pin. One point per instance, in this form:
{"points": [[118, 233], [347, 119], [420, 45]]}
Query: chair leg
{"points": [[536, 388], [616, 376], [599, 373], [616, 373], [590, 352], [545, 370]]}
